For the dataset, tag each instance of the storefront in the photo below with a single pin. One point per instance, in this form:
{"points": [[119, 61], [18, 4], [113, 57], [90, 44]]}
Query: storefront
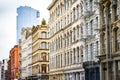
{"points": [[39, 77], [91, 70]]}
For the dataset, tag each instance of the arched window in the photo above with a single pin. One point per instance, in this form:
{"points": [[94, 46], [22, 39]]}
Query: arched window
{"points": [[91, 5], [74, 34], [87, 52], [86, 28], [43, 34], [43, 45], [44, 68], [116, 9], [91, 27], [71, 17], [65, 58], [71, 57], [68, 39], [78, 55], [68, 58], [61, 41], [65, 41], [81, 53], [81, 31], [91, 51], [74, 15], [77, 31], [68, 19], [81, 8], [74, 55], [44, 56], [97, 46], [77, 11], [117, 42]]}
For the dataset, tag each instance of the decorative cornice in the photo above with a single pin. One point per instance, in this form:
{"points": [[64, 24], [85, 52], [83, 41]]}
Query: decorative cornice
{"points": [[52, 4]]}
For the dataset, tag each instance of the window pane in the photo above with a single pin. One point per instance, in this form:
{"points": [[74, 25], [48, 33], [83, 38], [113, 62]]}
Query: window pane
{"points": [[43, 35], [43, 45]]}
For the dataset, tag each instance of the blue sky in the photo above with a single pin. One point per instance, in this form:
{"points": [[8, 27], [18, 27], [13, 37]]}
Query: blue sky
{"points": [[8, 21]]}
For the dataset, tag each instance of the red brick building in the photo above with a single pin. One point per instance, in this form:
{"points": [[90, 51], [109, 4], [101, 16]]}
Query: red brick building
{"points": [[13, 63]]}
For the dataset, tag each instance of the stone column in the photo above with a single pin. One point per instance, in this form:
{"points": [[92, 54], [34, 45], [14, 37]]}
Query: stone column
{"points": [[77, 76], [73, 76], [64, 76]]}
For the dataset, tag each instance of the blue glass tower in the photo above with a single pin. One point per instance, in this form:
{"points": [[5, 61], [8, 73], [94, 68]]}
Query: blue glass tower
{"points": [[26, 17]]}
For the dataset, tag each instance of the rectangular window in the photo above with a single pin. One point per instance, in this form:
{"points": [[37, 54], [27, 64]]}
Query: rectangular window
{"points": [[68, 57], [96, 48], [37, 14], [68, 19], [91, 53], [96, 22], [44, 35], [71, 57], [74, 14], [65, 21], [44, 66], [65, 58], [87, 52], [86, 28], [44, 45], [91, 27], [91, 5], [61, 60], [74, 56]]}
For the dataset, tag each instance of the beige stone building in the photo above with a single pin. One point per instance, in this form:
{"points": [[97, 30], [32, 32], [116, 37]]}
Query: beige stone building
{"points": [[66, 26], [109, 39], [40, 52]]}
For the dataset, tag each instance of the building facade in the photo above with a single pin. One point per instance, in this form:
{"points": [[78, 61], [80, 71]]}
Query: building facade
{"points": [[109, 39], [14, 62], [0, 69], [26, 17], [4, 69], [40, 52], [67, 28], [91, 39], [25, 54]]}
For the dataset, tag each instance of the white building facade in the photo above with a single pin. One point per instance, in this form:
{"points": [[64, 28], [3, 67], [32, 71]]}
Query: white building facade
{"points": [[91, 39], [67, 26], [74, 39], [3, 69], [26, 53]]}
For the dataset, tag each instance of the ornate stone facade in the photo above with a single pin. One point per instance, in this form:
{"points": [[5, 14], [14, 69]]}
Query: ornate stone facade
{"points": [[109, 39], [40, 52]]}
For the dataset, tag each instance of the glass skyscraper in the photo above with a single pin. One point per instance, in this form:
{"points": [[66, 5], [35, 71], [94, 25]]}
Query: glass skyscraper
{"points": [[26, 17]]}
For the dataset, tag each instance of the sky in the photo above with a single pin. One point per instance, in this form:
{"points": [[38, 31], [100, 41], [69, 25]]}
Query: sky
{"points": [[8, 21]]}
